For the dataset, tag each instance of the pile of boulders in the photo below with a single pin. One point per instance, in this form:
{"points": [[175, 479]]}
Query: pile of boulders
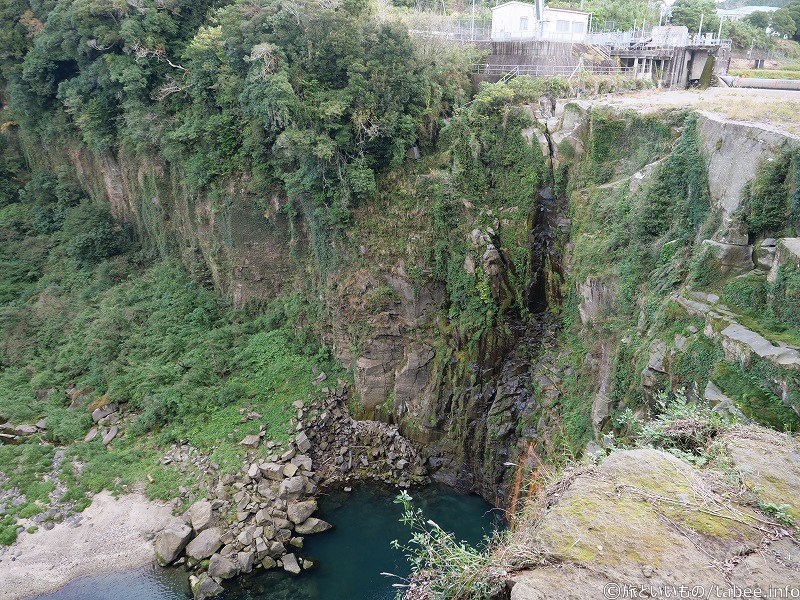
{"points": [[107, 421], [345, 449], [257, 520]]}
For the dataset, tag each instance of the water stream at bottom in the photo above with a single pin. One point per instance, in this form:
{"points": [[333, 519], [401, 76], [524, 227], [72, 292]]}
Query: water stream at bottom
{"points": [[348, 560]]}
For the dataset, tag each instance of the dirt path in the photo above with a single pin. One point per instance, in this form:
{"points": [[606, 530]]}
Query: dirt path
{"points": [[114, 535]]}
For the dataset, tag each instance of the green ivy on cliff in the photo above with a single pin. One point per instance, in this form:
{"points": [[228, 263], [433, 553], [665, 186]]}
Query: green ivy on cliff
{"points": [[772, 201], [639, 204], [496, 170], [679, 198]]}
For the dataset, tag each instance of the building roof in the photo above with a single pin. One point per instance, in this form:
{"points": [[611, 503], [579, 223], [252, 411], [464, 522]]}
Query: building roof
{"points": [[744, 11], [513, 2], [567, 10], [510, 2]]}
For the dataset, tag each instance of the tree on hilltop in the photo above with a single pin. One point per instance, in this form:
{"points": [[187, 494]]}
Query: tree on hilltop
{"points": [[691, 12]]}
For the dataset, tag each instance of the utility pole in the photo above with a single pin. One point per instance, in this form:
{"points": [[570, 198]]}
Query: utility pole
{"points": [[700, 31], [472, 27], [719, 33]]}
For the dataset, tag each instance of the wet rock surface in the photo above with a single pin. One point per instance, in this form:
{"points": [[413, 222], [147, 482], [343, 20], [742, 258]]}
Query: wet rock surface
{"points": [[480, 437]]}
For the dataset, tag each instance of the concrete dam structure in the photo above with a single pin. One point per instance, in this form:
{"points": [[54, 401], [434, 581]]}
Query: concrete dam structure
{"points": [[667, 65]]}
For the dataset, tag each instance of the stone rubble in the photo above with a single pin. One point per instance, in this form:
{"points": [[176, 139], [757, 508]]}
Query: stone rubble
{"points": [[16, 434], [258, 518]]}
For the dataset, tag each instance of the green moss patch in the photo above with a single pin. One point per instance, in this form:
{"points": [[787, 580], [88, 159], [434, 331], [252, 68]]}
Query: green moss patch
{"points": [[754, 398]]}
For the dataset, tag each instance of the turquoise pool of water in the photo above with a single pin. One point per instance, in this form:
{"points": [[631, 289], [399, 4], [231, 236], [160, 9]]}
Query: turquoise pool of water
{"points": [[349, 559]]}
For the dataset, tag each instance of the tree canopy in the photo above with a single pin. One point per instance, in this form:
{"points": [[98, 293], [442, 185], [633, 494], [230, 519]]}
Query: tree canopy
{"points": [[783, 22], [615, 14], [759, 19], [691, 12], [786, 21], [313, 97]]}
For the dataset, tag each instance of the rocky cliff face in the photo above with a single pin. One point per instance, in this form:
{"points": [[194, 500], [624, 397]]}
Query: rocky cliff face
{"points": [[251, 247], [733, 154], [510, 410], [547, 374]]}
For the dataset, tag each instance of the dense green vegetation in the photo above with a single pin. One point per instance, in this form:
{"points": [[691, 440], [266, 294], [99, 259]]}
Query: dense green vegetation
{"points": [[743, 33], [311, 99], [313, 102], [317, 105], [492, 165], [614, 14], [669, 214], [690, 13], [88, 318], [663, 218], [767, 73]]}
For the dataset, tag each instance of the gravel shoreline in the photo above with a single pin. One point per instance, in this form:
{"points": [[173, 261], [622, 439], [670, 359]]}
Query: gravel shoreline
{"points": [[113, 535]]}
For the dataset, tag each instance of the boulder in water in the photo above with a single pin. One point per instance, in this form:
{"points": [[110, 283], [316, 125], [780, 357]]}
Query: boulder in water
{"points": [[220, 567], [169, 543], [204, 587], [246, 560], [300, 511], [290, 564], [313, 525]]}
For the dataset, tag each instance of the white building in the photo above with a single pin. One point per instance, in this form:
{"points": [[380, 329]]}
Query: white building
{"points": [[737, 14], [516, 20]]}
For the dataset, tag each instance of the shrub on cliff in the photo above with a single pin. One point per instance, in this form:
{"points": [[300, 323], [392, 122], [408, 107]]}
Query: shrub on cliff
{"points": [[50, 195], [679, 198], [772, 202], [443, 567], [91, 235]]}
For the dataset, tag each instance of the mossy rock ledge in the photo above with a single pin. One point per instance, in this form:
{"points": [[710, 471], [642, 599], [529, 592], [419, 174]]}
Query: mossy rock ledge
{"points": [[646, 518]]}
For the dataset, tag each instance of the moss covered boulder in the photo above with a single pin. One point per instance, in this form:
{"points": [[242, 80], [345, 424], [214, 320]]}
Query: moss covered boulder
{"points": [[647, 518]]}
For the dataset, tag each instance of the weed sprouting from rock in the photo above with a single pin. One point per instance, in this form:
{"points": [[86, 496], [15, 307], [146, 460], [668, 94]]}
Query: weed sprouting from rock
{"points": [[442, 566], [682, 426]]}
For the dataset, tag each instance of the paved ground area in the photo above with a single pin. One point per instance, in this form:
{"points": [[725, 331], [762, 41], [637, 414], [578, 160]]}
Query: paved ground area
{"points": [[779, 108]]}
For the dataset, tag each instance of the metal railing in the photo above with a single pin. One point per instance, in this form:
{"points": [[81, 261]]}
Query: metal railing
{"points": [[454, 33], [546, 36], [449, 27], [508, 71], [638, 40], [459, 28]]}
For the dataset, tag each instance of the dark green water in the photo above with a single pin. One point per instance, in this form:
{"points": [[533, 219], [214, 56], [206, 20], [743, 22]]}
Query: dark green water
{"points": [[349, 559]]}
